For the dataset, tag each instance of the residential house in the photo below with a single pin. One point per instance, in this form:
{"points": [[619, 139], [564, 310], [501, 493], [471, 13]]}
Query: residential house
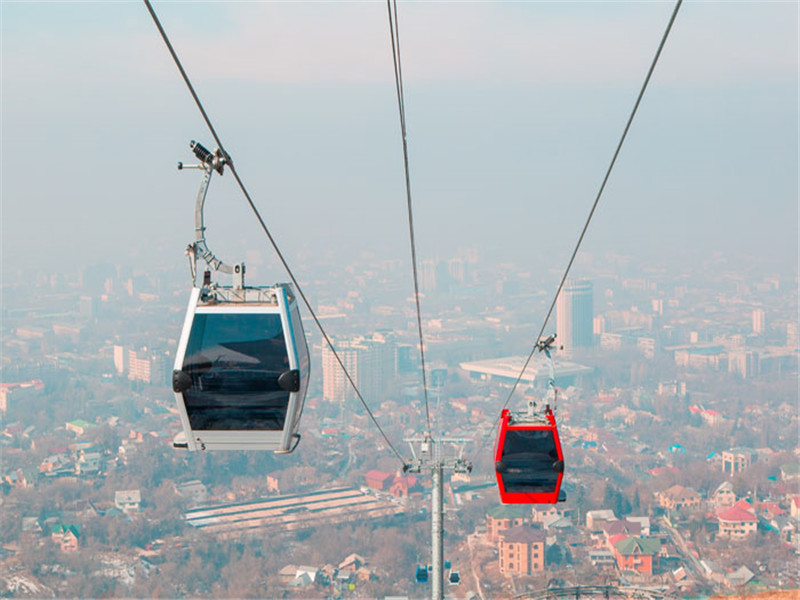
{"points": [[128, 501], [504, 517], [287, 573], [352, 563], [638, 554], [678, 498], [31, 529], [724, 495], [56, 465], [306, 574], [522, 551], [739, 577], [644, 522], [737, 522], [622, 527], [542, 512], [595, 519], [89, 463], [558, 524], [66, 536]]}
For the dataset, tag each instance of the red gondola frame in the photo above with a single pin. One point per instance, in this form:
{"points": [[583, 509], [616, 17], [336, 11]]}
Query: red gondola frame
{"points": [[509, 423]]}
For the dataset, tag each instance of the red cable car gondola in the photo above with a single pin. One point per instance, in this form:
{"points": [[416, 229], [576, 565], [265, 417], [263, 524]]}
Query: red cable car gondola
{"points": [[528, 459]]}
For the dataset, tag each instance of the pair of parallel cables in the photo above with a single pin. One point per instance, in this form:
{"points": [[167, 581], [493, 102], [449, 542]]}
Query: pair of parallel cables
{"points": [[395, 40]]}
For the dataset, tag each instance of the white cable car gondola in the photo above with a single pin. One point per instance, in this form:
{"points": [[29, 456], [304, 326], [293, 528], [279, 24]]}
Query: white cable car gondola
{"points": [[242, 364]]}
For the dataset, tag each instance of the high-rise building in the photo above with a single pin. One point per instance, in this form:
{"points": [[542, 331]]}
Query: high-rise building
{"points": [[743, 362], [575, 316], [144, 365], [759, 320], [371, 362], [427, 277], [456, 269], [792, 338]]}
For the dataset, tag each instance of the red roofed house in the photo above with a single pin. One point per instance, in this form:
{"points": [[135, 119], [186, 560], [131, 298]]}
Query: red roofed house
{"points": [[745, 504], [522, 551], [612, 541], [712, 417], [770, 510], [378, 480], [737, 523]]}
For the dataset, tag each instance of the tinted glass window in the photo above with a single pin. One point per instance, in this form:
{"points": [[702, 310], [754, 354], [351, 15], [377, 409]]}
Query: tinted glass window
{"points": [[234, 361], [528, 456]]}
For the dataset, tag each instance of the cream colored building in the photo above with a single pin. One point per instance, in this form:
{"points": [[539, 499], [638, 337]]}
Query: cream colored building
{"points": [[737, 523]]}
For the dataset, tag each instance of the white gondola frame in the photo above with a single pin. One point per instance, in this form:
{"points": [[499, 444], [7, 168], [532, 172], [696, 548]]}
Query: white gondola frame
{"points": [[280, 441]]}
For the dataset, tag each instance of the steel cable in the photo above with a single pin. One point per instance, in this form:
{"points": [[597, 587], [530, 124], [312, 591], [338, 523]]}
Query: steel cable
{"points": [[394, 33], [591, 214], [266, 229]]}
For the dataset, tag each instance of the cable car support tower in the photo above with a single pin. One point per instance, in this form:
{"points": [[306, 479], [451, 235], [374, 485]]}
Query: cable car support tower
{"points": [[428, 456]]}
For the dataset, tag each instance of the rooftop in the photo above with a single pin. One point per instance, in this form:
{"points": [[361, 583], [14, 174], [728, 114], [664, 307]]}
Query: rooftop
{"points": [[523, 535]]}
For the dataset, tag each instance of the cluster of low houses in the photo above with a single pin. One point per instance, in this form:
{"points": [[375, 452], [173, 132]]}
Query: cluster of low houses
{"points": [[81, 458], [738, 518], [349, 572], [523, 533], [67, 536], [399, 486]]}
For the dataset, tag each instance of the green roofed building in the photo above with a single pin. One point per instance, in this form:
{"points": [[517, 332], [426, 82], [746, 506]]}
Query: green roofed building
{"points": [[66, 536], [639, 554], [504, 517], [79, 426]]}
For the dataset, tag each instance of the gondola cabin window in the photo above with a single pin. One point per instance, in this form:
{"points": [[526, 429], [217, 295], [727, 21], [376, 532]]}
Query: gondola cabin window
{"points": [[234, 361]]}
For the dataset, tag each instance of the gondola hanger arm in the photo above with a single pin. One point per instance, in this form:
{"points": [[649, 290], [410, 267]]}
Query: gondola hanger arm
{"points": [[209, 163]]}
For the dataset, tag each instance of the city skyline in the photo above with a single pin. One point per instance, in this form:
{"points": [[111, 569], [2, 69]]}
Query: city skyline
{"points": [[675, 396]]}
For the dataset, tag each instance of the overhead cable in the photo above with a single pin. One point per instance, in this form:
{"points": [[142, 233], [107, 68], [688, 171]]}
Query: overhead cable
{"points": [[266, 229], [394, 33], [536, 345]]}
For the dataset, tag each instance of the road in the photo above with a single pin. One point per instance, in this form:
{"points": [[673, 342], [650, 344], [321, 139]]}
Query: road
{"points": [[473, 568], [689, 558]]}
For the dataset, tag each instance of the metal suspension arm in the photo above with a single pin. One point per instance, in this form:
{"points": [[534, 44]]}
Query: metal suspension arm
{"points": [[201, 247], [210, 162]]}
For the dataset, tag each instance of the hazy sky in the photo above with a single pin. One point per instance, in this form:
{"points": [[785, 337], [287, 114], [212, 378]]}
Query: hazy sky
{"points": [[514, 110]]}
